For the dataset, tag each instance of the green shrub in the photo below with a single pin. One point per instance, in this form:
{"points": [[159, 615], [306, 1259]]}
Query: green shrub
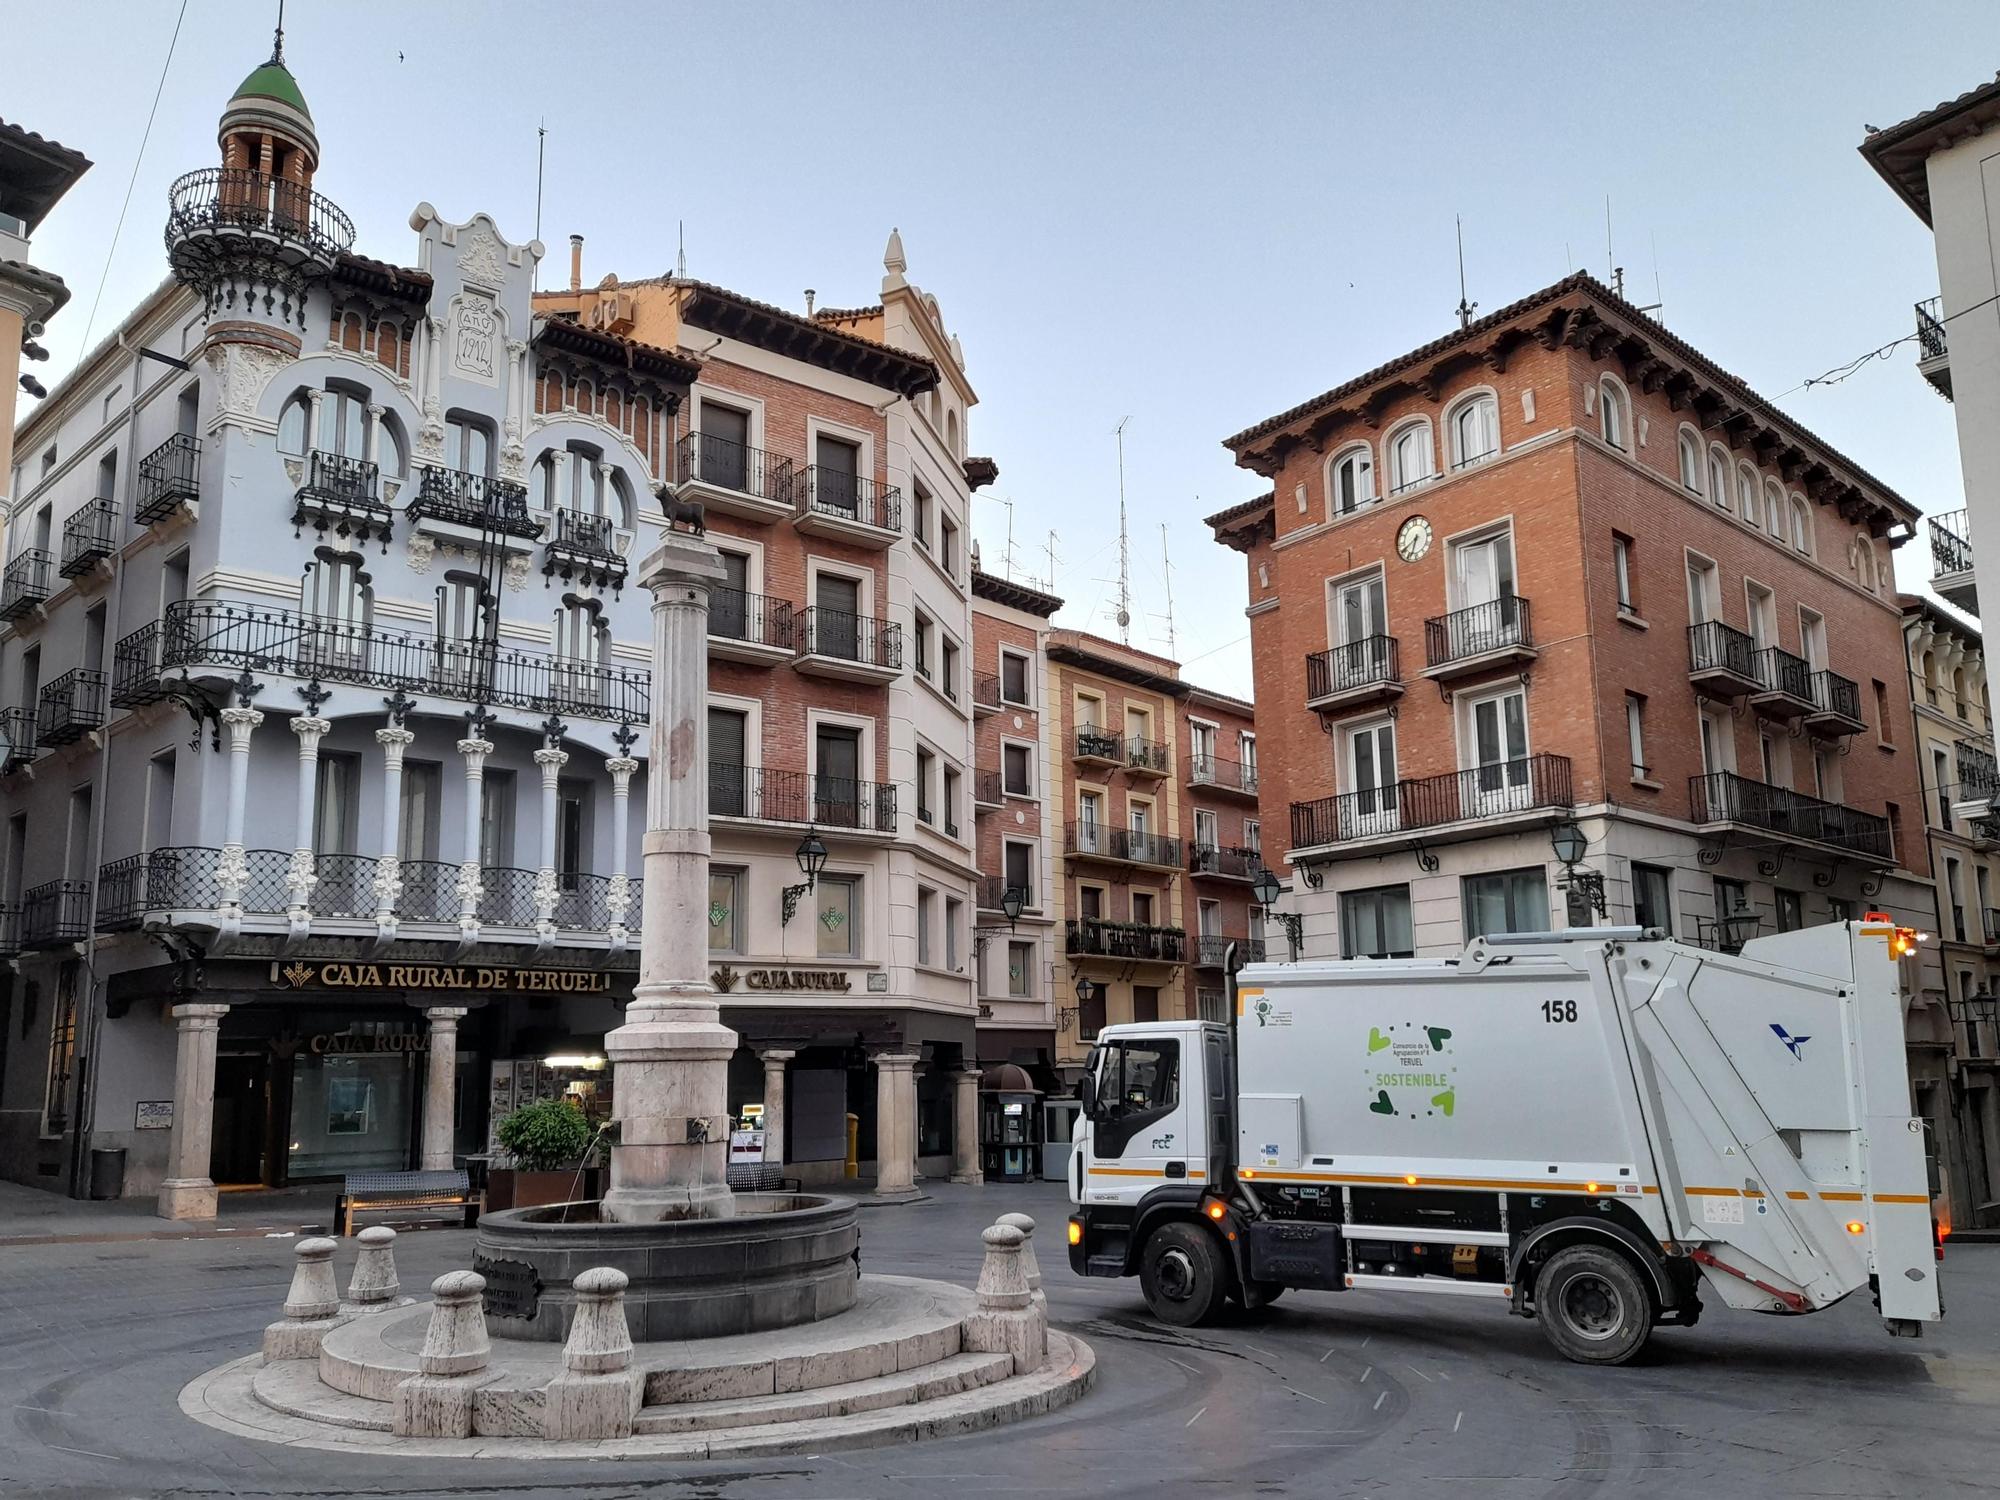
{"points": [[546, 1136]]}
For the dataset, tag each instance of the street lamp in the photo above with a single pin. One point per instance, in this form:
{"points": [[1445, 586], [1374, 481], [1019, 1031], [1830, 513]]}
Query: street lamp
{"points": [[1569, 842], [1087, 991], [1585, 886], [1012, 899], [812, 859], [1266, 889]]}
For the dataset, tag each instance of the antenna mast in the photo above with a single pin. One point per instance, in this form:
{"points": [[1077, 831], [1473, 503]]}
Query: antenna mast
{"points": [[1465, 308], [681, 255], [1051, 550], [541, 150], [1167, 571], [1124, 549]]}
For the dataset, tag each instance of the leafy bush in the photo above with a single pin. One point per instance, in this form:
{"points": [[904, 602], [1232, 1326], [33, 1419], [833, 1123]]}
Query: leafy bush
{"points": [[546, 1136]]}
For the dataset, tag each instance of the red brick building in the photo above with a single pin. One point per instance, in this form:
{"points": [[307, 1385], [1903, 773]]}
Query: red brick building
{"points": [[1555, 570]]}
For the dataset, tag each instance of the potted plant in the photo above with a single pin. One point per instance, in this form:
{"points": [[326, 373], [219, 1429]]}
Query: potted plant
{"points": [[547, 1143]]}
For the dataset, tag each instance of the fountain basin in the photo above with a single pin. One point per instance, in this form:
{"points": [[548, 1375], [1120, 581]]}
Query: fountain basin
{"points": [[782, 1259]]}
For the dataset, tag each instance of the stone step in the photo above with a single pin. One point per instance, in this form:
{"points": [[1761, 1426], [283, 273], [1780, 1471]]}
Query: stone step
{"points": [[945, 1377], [293, 1387]]}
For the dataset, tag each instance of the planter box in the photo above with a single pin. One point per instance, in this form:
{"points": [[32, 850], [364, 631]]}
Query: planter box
{"points": [[509, 1188]]}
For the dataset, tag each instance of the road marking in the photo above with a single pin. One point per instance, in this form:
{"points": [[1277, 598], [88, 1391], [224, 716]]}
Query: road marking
{"points": [[1195, 1418], [1255, 1350], [1380, 1399], [1420, 1372], [1297, 1392], [1456, 1420], [1328, 1355], [1364, 1342], [1191, 1369], [86, 1452], [1366, 1373]]}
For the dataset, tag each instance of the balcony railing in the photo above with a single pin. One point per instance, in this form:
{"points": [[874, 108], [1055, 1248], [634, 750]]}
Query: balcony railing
{"points": [[799, 797], [89, 536], [859, 639], [986, 788], [1931, 340], [169, 477], [1716, 649], [1224, 861], [1501, 624], [18, 739], [1228, 775], [25, 583], [586, 534], [986, 692], [287, 643], [1367, 663], [1778, 671], [1131, 845], [849, 497], [1528, 784], [1149, 756], [702, 458], [1725, 797], [1951, 543], [1136, 941], [72, 705], [1836, 697], [1092, 743], [55, 913], [1210, 949], [135, 669], [1978, 773], [340, 480], [473, 500], [754, 619], [236, 199], [992, 892]]}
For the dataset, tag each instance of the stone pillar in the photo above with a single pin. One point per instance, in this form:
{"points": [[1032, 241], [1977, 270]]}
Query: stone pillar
{"points": [[598, 1393], [314, 399], [373, 1286], [232, 871], [437, 1400], [671, 1089], [371, 446], [1032, 1267], [1007, 1321], [440, 1086], [188, 1192], [300, 879], [312, 1306], [394, 740], [775, 1059], [965, 1127], [618, 899], [895, 1110], [475, 750], [551, 759]]}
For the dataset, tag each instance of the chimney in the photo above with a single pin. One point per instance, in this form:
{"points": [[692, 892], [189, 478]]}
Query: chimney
{"points": [[810, 294], [576, 263]]}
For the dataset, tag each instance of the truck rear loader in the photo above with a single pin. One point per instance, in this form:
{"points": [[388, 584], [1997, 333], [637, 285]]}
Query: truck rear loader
{"points": [[1594, 1127]]}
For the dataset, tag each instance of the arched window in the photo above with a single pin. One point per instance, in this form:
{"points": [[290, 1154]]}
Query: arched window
{"points": [[343, 422], [1612, 414], [1475, 431], [468, 443], [619, 500], [292, 427], [1801, 525], [1409, 457], [1928, 666], [1718, 477], [1746, 494], [951, 434], [391, 452], [1774, 509], [1351, 480], [1690, 451], [581, 487], [1958, 699]]}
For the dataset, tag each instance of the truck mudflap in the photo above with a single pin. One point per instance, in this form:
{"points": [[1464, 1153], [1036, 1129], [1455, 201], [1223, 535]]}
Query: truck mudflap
{"points": [[1672, 1279]]}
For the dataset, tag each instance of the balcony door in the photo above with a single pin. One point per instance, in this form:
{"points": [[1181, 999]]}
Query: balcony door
{"points": [[728, 602], [1500, 754], [1201, 747], [1370, 773], [1483, 571], [464, 642], [334, 597], [837, 616], [1089, 823], [838, 464], [1360, 626], [1763, 616], [1139, 821], [837, 783], [1812, 639], [723, 447], [1205, 836], [728, 776]]}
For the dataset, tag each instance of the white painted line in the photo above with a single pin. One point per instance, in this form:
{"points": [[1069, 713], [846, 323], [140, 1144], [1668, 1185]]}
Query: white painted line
{"points": [[1328, 1355], [1297, 1392], [1420, 1372], [1456, 1420], [1443, 1376], [1194, 1419], [86, 1452], [1191, 1369], [1380, 1399], [1364, 1342], [1255, 1350], [1366, 1373]]}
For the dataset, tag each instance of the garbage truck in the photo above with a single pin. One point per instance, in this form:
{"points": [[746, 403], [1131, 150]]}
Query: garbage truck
{"points": [[1596, 1127]]}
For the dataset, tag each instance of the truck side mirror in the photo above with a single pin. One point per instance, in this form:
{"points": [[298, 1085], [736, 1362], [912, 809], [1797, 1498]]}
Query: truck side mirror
{"points": [[1086, 1094]]}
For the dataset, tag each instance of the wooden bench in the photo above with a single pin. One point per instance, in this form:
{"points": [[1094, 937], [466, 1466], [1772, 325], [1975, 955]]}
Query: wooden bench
{"points": [[367, 1192], [759, 1177]]}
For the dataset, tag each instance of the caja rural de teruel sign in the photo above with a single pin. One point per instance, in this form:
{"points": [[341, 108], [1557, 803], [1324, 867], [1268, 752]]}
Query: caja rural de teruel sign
{"points": [[496, 979]]}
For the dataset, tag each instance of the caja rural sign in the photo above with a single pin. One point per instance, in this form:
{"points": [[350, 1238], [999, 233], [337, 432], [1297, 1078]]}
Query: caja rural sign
{"points": [[479, 978]]}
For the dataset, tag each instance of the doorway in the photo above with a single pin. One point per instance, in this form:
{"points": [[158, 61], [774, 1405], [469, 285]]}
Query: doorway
{"points": [[242, 1102]]}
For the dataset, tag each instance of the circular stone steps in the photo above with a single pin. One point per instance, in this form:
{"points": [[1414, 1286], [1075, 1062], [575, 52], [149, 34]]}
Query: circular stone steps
{"points": [[946, 1377]]}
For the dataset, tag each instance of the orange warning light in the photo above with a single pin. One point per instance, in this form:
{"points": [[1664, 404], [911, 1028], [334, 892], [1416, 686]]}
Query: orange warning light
{"points": [[1855, 1226]]}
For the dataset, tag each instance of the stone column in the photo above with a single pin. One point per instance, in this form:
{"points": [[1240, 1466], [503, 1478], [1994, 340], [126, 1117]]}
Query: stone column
{"points": [[314, 399], [440, 1086], [300, 879], [775, 1059], [917, 1071], [671, 1056], [895, 1113], [618, 899], [551, 759], [475, 749], [965, 1127], [232, 871], [394, 740], [189, 1192], [371, 447]]}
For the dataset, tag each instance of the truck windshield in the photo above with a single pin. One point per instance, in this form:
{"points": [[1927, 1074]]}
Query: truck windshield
{"points": [[1139, 1077]]}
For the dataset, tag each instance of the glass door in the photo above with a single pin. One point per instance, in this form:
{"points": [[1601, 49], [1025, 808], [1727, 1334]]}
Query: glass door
{"points": [[1361, 627], [1371, 806], [1500, 748]]}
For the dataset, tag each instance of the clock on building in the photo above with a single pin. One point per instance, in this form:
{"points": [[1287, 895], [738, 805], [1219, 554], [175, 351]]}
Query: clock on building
{"points": [[1413, 539]]}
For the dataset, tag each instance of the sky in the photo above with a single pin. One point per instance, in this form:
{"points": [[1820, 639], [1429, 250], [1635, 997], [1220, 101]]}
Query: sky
{"points": [[1181, 217]]}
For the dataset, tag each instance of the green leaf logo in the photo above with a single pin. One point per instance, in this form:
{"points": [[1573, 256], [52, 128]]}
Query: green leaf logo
{"points": [[1445, 1101], [1382, 1106], [1376, 1041], [1439, 1035]]}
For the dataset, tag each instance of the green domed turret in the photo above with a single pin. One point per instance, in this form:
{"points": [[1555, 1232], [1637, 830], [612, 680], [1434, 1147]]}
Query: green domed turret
{"points": [[273, 80]]}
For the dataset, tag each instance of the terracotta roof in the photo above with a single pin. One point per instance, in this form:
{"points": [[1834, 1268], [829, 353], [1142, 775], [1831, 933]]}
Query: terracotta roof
{"points": [[1589, 286], [35, 172], [646, 359], [847, 314], [1227, 700], [1899, 153], [1243, 508], [1014, 595], [723, 311], [383, 276], [1940, 617]]}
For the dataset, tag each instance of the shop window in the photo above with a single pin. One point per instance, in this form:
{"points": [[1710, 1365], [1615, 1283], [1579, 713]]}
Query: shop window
{"points": [[1507, 901], [1376, 923]]}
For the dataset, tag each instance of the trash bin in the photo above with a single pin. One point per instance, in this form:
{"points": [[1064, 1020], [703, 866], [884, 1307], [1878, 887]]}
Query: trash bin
{"points": [[107, 1172]]}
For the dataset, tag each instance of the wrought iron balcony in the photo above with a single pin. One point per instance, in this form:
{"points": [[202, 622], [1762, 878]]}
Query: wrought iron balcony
{"points": [[1147, 757], [986, 789], [25, 583], [71, 706], [1725, 797], [831, 500], [986, 693], [1991, 927], [750, 627], [1211, 949], [1213, 774], [1722, 658], [1090, 937], [586, 545], [18, 738], [1134, 846], [1092, 743], [222, 639], [10, 928], [135, 669], [1784, 682], [733, 478], [1933, 347], [475, 501], [1359, 672], [54, 914], [169, 477], [1951, 559], [89, 536], [771, 796], [1836, 704], [233, 201], [342, 495], [1533, 783], [1478, 636], [1224, 862], [992, 893], [838, 644], [1978, 773]]}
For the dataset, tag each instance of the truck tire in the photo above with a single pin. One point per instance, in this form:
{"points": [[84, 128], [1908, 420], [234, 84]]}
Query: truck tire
{"points": [[1593, 1306], [1183, 1275]]}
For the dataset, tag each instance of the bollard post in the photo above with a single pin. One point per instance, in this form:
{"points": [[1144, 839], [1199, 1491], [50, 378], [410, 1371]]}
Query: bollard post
{"points": [[598, 1393], [1007, 1320], [437, 1401], [1032, 1267], [312, 1305], [373, 1286]]}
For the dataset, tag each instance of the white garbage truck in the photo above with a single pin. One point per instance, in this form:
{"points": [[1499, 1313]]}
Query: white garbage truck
{"points": [[1595, 1127]]}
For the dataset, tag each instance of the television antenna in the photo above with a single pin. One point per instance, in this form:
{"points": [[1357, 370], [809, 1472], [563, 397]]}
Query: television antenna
{"points": [[1465, 309], [1124, 547]]}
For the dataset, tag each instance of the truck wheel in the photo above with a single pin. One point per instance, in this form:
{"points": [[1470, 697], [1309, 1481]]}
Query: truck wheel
{"points": [[1182, 1275], [1593, 1306]]}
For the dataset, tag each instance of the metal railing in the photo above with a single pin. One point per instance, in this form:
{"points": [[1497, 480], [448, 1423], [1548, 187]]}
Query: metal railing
{"points": [[849, 497], [25, 582], [585, 534], [1135, 846], [343, 886], [1211, 948], [1778, 671], [54, 913], [986, 692], [1725, 797], [1368, 662], [1951, 543], [1978, 773], [1143, 754], [1931, 340], [1497, 625], [992, 891], [71, 706], [339, 480], [18, 739], [800, 797], [754, 619], [1227, 861], [1716, 647], [10, 928], [168, 476], [474, 500], [861, 639], [987, 790], [430, 891], [1094, 938], [1837, 695], [1528, 784], [1209, 770], [235, 198], [507, 896], [135, 669], [1092, 743], [702, 458], [288, 643], [89, 535]]}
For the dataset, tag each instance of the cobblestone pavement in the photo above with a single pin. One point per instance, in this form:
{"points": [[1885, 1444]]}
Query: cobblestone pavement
{"points": [[1323, 1396]]}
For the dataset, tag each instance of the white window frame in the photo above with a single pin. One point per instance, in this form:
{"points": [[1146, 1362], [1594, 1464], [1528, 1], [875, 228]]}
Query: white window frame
{"points": [[1700, 564], [816, 565], [1028, 747], [1477, 536], [1718, 469], [818, 426], [753, 406], [1035, 892], [1027, 677], [1399, 483], [1749, 496], [1635, 734], [1693, 460], [1776, 512], [1483, 398], [1341, 456], [1801, 536], [1613, 397]]}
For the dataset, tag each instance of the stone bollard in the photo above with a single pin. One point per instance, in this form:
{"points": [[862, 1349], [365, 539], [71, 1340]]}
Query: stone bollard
{"points": [[1033, 1268], [598, 1393], [437, 1401], [373, 1285], [312, 1306], [1007, 1321]]}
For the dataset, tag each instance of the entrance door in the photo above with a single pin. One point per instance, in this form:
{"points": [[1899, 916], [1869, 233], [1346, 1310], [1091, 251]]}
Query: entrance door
{"points": [[1500, 749], [242, 1081], [1371, 778]]}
